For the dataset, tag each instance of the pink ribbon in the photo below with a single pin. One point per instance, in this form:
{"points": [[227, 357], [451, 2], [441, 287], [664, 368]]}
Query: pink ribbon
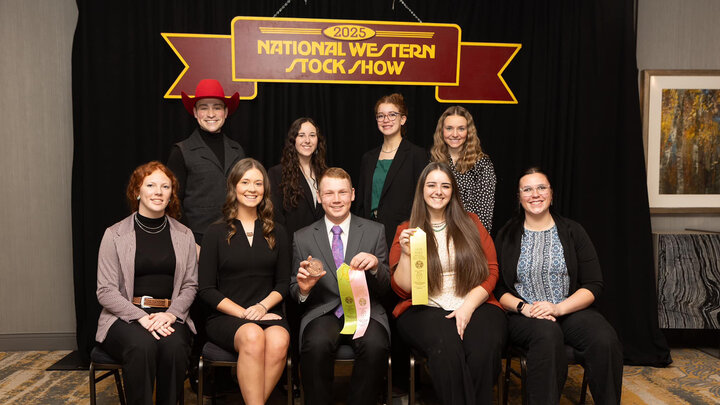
{"points": [[358, 283]]}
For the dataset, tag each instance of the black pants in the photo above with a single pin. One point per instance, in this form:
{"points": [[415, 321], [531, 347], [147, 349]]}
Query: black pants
{"points": [[463, 371], [320, 341], [592, 337], [144, 358]]}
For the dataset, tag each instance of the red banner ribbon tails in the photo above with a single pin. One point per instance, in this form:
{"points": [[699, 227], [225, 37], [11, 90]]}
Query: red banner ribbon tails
{"points": [[205, 57]]}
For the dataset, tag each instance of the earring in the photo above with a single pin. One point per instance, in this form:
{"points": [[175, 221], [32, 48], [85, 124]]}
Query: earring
{"points": [[138, 197]]}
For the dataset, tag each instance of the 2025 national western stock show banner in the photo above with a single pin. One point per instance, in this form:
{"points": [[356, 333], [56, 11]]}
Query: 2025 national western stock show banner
{"points": [[298, 50]]}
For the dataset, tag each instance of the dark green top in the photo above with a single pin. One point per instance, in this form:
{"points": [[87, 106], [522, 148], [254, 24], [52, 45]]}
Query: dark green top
{"points": [[381, 171]]}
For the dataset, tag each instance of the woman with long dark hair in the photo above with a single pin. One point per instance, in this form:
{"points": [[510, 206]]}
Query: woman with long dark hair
{"points": [[147, 279], [456, 143], [244, 276], [550, 278], [295, 180], [462, 329]]}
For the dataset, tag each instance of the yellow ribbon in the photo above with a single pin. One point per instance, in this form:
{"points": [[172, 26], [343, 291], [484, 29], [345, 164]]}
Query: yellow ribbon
{"points": [[347, 300], [418, 267]]}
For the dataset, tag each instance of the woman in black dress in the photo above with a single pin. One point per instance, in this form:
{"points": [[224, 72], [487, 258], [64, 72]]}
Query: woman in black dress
{"points": [[244, 276]]}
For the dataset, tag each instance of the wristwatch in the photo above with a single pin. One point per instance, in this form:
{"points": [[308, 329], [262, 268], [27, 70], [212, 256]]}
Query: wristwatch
{"points": [[520, 306]]}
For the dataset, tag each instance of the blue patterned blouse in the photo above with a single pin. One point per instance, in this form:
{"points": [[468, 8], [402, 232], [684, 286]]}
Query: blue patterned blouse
{"points": [[541, 272]]}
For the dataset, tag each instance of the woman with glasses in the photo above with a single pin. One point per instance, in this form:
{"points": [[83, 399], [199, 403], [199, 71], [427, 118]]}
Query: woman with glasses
{"points": [[462, 329], [388, 173], [549, 280], [456, 143]]}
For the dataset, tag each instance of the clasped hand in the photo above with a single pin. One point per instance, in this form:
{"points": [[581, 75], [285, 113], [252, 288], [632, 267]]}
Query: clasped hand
{"points": [[462, 317], [158, 324], [541, 310]]}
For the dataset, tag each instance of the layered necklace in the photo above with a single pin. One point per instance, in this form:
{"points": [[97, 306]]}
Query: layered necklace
{"points": [[439, 227], [149, 229]]}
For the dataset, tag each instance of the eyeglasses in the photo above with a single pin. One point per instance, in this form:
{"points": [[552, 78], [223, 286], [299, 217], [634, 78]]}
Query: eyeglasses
{"points": [[391, 116], [541, 189]]}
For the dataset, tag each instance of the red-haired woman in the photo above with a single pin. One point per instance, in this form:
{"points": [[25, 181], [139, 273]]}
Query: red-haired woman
{"points": [[456, 143], [147, 279], [244, 276], [462, 330]]}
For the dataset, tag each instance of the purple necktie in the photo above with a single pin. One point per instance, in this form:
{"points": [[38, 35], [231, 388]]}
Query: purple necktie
{"points": [[337, 251]]}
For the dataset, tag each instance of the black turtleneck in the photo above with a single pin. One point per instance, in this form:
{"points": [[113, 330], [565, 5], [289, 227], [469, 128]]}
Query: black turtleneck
{"points": [[154, 258]]}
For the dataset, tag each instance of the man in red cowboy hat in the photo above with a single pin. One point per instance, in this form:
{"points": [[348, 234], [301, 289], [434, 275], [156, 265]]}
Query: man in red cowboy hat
{"points": [[202, 161]]}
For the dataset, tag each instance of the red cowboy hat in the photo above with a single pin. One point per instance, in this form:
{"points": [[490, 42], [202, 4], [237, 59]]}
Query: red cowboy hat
{"points": [[210, 88]]}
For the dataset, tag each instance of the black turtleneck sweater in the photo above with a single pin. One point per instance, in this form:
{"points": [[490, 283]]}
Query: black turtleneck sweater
{"points": [[154, 259]]}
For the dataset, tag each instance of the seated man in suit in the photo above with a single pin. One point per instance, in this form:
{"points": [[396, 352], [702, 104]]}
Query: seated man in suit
{"points": [[336, 238]]}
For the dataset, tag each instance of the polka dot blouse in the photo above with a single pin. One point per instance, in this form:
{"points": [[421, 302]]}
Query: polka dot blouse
{"points": [[477, 189]]}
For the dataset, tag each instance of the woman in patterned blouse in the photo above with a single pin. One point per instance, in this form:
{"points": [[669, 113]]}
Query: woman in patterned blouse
{"points": [[550, 276], [456, 143]]}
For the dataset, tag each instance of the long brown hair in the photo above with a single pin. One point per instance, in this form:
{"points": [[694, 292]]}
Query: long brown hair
{"points": [[290, 164], [264, 209], [399, 102], [471, 150], [138, 176], [471, 267]]}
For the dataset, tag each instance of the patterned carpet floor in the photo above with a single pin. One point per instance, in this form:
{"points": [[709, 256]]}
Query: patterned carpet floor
{"points": [[693, 378]]}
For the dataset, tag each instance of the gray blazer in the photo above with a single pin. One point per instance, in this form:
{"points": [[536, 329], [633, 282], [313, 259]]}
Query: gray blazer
{"points": [[116, 275], [364, 236]]}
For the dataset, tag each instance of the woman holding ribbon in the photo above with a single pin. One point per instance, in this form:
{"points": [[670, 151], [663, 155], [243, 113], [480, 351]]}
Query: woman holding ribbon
{"points": [[550, 278], [461, 329], [456, 143], [146, 281], [244, 276]]}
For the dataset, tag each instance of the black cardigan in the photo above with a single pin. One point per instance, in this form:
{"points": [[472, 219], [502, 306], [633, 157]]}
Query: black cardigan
{"points": [[580, 257]]}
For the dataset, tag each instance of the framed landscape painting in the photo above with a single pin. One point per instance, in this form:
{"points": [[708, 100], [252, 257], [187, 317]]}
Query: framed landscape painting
{"points": [[681, 131]]}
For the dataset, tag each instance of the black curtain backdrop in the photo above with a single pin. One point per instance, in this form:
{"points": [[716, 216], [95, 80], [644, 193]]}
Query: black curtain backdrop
{"points": [[578, 116]]}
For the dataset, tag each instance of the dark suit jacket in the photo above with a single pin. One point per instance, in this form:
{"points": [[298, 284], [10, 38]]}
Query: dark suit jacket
{"points": [[399, 188], [299, 217], [364, 236]]}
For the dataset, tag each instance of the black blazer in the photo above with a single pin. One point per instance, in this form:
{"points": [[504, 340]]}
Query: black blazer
{"points": [[299, 217], [399, 188]]}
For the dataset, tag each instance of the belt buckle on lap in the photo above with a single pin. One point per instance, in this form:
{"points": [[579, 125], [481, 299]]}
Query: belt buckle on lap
{"points": [[142, 301]]}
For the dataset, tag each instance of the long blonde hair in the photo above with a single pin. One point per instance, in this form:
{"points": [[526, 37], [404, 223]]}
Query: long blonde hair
{"points": [[264, 209], [471, 150], [471, 267]]}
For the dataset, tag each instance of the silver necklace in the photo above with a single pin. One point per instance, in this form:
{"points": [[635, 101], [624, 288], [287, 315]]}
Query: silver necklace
{"points": [[312, 179], [149, 229], [391, 150]]}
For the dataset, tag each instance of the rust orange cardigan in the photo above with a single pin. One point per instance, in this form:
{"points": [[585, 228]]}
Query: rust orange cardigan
{"points": [[488, 248]]}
